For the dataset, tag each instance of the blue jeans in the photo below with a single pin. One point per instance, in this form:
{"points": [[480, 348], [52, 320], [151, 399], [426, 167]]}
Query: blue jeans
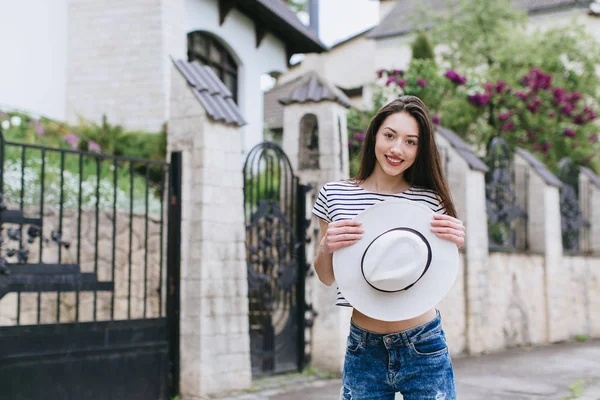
{"points": [[414, 362]]}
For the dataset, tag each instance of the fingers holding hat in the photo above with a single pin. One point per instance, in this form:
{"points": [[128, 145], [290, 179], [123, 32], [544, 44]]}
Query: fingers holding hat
{"points": [[449, 228], [342, 234]]}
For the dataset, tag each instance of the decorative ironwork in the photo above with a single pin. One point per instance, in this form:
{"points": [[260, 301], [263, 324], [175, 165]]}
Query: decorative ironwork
{"points": [[572, 218], [505, 214], [274, 203], [78, 292]]}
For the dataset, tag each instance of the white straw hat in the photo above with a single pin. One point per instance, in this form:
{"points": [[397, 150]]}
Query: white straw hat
{"points": [[400, 268]]}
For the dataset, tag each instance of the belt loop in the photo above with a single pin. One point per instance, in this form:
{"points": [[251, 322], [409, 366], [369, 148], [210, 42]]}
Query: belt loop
{"points": [[405, 339], [364, 337]]}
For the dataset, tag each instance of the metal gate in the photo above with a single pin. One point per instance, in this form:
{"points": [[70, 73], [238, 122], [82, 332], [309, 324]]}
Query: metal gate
{"points": [[274, 205], [89, 248]]}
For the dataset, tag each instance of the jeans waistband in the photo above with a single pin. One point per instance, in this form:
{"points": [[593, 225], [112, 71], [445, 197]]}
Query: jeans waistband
{"points": [[403, 338]]}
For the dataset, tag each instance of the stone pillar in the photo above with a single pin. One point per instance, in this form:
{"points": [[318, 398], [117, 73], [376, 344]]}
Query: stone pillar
{"points": [[544, 236], [214, 341], [589, 199], [466, 177], [331, 325]]}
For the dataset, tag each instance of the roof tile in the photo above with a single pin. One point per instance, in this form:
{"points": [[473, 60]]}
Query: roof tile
{"points": [[212, 93]]}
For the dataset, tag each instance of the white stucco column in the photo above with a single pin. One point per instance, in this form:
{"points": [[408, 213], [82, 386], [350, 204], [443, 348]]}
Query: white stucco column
{"points": [[544, 235], [214, 340], [466, 178]]}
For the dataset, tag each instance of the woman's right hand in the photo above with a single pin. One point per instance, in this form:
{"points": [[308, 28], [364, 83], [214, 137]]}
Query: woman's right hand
{"points": [[341, 234]]}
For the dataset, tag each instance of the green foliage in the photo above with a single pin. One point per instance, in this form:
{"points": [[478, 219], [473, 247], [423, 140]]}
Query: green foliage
{"points": [[538, 90], [473, 30], [582, 338], [422, 48], [297, 5], [576, 389], [95, 176]]}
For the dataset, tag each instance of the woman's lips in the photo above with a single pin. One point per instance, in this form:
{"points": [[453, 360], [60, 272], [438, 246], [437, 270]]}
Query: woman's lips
{"points": [[394, 162]]}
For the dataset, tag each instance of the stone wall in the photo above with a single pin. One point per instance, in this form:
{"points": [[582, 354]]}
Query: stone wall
{"points": [[131, 279], [214, 340], [129, 82], [453, 311]]}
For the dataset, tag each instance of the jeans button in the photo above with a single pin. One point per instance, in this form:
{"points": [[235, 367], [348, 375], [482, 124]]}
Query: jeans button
{"points": [[388, 340]]}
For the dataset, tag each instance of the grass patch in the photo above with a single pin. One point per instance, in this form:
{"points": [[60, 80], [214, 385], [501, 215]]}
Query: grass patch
{"points": [[576, 389], [582, 338]]}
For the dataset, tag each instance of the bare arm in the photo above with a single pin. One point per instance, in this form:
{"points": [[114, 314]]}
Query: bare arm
{"points": [[333, 236]]}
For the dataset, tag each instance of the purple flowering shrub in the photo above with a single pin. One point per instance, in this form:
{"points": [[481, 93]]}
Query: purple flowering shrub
{"points": [[541, 116], [535, 111]]}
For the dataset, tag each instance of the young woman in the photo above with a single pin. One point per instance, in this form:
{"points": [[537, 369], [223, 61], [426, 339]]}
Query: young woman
{"points": [[399, 160]]}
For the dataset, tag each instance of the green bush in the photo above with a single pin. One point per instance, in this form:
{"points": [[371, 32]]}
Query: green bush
{"points": [[96, 174], [421, 48]]}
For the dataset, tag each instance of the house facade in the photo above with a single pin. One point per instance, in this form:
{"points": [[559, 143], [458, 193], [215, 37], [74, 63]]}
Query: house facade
{"points": [[84, 58], [388, 44]]}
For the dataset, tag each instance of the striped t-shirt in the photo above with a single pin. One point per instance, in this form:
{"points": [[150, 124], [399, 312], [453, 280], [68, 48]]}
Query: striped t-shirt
{"points": [[345, 200]]}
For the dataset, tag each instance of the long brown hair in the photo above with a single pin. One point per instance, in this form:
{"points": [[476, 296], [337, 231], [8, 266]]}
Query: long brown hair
{"points": [[426, 172]]}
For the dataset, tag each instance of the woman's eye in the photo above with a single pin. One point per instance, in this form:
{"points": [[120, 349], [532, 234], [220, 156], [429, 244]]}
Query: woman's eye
{"points": [[388, 135], [412, 142]]}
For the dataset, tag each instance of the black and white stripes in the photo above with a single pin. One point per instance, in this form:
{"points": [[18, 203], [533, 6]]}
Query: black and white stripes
{"points": [[345, 200]]}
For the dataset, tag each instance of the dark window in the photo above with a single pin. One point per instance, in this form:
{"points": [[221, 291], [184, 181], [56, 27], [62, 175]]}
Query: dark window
{"points": [[207, 50], [309, 142]]}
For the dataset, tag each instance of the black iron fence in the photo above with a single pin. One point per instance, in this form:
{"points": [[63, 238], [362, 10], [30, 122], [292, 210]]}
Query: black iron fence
{"points": [[275, 209], [575, 208], [83, 273], [506, 198]]}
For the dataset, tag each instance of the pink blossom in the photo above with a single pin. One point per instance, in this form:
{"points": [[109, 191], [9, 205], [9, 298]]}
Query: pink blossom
{"points": [[567, 109], [422, 82], [398, 72], [380, 73], [588, 159], [359, 137], [522, 95], [390, 80], [93, 146], [39, 129], [436, 119], [508, 126], [504, 116], [455, 77], [72, 139], [533, 106], [593, 138], [570, 133], [580, 119], [544, 147], [479, 99], [401, 83]]}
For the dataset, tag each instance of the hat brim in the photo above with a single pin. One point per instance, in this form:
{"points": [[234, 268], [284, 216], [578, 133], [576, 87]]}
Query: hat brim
{"points": [[426, 293]]}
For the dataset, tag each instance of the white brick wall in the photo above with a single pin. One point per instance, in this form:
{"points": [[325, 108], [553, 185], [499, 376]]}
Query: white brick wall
{"points": [[215, 348], [118, 57]]}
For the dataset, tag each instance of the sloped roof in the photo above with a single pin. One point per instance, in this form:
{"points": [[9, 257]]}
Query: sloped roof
{"points": [[591, 176], [309, 87], [463, 149], [402, 19], [276, 17], [212, 93], [540, 168]]}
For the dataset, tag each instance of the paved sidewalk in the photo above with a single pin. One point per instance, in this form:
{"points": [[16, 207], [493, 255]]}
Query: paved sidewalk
{"points": [[519, 374]]}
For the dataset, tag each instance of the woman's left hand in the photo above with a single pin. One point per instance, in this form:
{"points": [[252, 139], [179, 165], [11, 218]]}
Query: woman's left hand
{"points": [[450, 228]]}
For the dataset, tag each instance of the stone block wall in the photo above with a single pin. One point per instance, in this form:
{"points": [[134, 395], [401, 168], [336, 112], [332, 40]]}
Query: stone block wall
{"points": [[214, 341], [453, 311], [129, 82], [516, 314], [144, 274]]}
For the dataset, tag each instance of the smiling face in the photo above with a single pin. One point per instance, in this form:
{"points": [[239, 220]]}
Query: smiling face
{"points": [[397, 143]]}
